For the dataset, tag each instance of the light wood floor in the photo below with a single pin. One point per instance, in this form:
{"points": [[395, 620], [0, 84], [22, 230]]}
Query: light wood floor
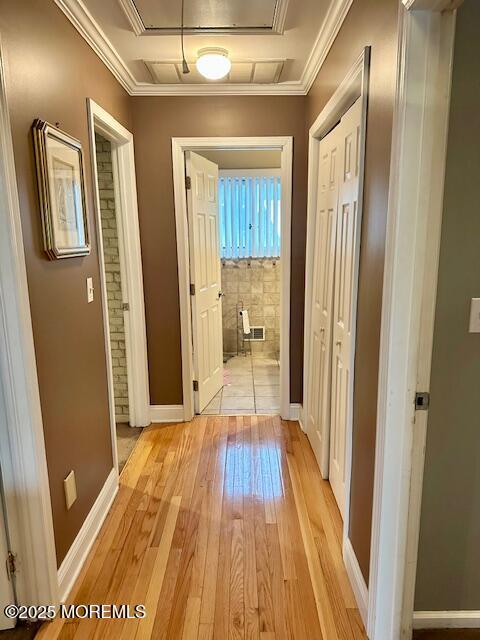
{"points": [[224, 528]]}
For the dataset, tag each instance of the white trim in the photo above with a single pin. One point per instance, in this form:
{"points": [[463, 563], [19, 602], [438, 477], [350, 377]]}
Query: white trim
{"points": [[432, 5], [411, 267], [78, 552], [353, 87], [138, 26], [337, 12], [131, 265], [296, 412], [356, 578], [179, 146], [446, 620], [90, 30], [166, 413], [22, 446], [250, 173]]}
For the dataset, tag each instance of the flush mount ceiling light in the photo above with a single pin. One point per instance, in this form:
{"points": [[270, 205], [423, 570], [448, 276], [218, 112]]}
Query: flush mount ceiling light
{"points": [[213, 64]]}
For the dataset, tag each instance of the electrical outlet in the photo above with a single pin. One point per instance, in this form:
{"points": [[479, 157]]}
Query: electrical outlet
{"points": [[70, 488]]}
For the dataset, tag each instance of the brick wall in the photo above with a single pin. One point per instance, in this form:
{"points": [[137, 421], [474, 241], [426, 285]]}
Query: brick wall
{"points": [[113, 278], [256, 283]]}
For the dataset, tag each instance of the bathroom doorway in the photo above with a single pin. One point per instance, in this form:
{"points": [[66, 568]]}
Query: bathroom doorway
{"points": [[237, 209]]}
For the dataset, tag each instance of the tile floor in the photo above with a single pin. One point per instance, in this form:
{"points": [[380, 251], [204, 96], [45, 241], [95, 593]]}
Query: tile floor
{"points": [[250, 385]]}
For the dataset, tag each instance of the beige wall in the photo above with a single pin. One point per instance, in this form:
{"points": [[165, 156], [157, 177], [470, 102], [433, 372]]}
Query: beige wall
{"points": [[244, 159], [50, 73], [448, 575], [374, 23], [156, 121], [252, 284], [113, 276]]}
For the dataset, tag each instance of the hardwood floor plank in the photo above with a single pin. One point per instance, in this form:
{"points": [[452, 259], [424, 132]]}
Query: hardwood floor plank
{"points": [[224, 530]]}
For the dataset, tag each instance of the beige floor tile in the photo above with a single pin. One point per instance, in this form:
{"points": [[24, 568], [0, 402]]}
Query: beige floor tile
{"points": [[239, 388], [266, 379], [267, 390], [213, 408], [267, 404], [245, 403]]}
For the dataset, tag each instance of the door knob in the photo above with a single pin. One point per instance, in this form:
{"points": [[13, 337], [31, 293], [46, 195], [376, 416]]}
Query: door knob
{"points": [[220, 295]]}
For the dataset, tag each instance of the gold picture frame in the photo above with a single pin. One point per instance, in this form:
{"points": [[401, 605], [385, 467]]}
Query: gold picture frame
{"points": [[61, 188]]}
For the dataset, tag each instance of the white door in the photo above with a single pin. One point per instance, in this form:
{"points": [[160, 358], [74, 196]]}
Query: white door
{"points": [[318, 410], [343, 298], [205, 277]]}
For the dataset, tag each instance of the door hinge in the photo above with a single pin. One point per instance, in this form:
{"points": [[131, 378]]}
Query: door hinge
{"points": [[192, 289], [422, 401], [125, 306], [195, 385], [188, 182], [11, 565]]}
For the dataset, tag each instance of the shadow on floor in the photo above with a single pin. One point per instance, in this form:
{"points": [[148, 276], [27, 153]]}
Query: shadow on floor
{"points": [[448, 634], [21, 632], [127, 437]]}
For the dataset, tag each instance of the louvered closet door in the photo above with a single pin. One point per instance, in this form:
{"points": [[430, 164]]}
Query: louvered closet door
{"points": [[203, 225], [349, 132], [318, 410]]}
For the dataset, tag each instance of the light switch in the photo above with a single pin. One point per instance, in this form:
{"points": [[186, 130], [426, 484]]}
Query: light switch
{"points": [[70, 488], [90, 289], [474, 326]]}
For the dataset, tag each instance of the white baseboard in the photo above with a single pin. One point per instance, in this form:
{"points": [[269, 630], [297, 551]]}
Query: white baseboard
{"points": [[77, 554], [446, 620], [296, 411], [166, 413], [356, 579]]}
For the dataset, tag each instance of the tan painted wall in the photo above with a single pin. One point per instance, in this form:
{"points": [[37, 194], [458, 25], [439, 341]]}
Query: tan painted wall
{"points": [[374, 23], [50, 72], [448, 576], [244, 159], [156, 121]]}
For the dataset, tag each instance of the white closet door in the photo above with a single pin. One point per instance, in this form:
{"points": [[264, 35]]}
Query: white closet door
{"points": [[345, 261], [206, 277], [318, 410]]}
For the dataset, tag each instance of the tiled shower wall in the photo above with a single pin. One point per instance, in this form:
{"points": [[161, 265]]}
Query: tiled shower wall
{"points": [[255, 284], [112, 274]]}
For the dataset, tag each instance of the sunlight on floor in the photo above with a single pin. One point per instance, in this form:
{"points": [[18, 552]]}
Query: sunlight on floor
{"points": [[250, 385]]}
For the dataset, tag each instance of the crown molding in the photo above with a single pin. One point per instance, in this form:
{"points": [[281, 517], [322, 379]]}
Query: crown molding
{"points": [[89, 29], [336, 14], [432, 5]]}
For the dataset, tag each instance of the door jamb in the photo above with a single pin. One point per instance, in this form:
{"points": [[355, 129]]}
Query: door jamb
{"points": [[123, 164], [22, 450], [179, 146], [414, 218]]}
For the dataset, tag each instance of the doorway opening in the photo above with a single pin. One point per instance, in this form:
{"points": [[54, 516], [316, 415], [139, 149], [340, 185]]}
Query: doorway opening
{"points": [[235, 303], [121, 280]]}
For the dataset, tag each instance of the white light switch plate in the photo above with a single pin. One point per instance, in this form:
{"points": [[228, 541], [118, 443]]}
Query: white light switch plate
{"points": [[89, 289], [474, 326], [70, 488]]}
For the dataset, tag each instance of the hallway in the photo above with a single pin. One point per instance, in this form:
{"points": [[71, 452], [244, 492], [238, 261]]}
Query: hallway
{"points": [[224, 529]]}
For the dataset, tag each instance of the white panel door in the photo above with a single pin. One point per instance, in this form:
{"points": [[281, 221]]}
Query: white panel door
{"points": [[318, 410], [205, 276], [345, 274]]}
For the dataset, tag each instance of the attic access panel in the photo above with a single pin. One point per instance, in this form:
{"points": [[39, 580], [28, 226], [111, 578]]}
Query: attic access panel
{"points": [[206, 16]]}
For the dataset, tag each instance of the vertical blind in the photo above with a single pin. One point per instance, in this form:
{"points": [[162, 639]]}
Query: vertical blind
{"points": [[250, 215]]}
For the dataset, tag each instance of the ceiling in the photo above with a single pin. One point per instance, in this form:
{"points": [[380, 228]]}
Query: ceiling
{"points": [[276, 46]]}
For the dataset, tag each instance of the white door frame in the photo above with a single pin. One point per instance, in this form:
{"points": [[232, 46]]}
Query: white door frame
{"points": [[22, 447], [426, 35], [179, 146], [126, 208], [353, 87]]}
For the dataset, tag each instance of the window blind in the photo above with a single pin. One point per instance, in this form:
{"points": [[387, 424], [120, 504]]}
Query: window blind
{"points": [[250, 214]]}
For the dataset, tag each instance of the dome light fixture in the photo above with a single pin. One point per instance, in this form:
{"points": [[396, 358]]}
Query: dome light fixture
{"points": [[213, 63]]}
